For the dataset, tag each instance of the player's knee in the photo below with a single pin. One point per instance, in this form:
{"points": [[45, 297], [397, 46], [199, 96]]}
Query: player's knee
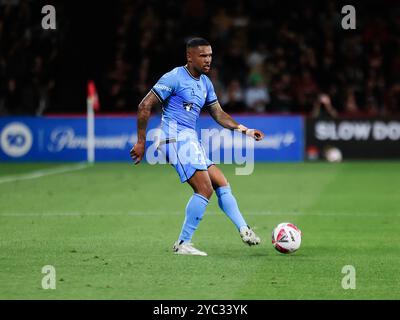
{"points": [[219, 185], [206, 190], [209, 191]]}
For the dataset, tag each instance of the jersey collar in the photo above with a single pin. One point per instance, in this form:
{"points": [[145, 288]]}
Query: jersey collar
{"points": [[197, 79]]}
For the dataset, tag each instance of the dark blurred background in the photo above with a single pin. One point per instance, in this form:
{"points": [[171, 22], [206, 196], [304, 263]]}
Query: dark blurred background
{"points": [[269, 56]]}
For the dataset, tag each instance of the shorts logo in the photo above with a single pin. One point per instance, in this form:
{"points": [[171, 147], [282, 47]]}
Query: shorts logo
{"points": [[188, 106], [16, 139]]}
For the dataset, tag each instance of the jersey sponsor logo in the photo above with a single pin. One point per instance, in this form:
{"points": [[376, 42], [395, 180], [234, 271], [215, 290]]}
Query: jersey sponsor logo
{"points": [[16, 139], [163, 87], [188, 106]]}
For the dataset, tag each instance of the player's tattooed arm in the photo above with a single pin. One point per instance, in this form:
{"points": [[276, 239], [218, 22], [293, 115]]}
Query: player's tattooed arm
{"points": [[221, 117], [225, 120], [144, 112]]}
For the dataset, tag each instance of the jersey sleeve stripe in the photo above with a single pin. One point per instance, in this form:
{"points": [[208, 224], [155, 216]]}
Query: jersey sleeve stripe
{"points": [[157, 95], [211, 103]]}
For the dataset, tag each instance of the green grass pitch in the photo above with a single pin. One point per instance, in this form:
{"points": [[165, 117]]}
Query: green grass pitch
{"points": [[108, 230]]}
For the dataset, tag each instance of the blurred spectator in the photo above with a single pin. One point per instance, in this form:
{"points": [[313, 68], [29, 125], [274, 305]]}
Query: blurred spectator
{"points": [[257, 95], [350, 101], [257, 57], [374, 96], [393, 100], [11, 100], [233, 99], [323, 107], [221, 23], [306, 91], [282, 97]]}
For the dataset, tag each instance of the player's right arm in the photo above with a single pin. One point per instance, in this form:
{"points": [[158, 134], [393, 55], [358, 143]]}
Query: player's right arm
{"points": [[164, 87], [144, 112]]}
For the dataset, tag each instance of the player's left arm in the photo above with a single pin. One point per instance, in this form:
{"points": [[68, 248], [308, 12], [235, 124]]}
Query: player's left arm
{"points": [[225, 120]]}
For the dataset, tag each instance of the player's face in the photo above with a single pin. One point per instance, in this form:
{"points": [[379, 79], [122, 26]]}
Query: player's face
{"points": [[200, 57]]}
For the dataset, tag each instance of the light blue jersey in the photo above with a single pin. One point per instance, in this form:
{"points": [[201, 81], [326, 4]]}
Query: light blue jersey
{"points": [[183, 96]]}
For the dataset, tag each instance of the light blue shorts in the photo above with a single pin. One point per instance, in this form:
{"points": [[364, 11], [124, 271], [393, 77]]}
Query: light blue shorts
{"points": [[185, 156]]}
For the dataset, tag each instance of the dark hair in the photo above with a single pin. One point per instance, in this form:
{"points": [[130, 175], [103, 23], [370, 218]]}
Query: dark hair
{"points": [[195, 42]]}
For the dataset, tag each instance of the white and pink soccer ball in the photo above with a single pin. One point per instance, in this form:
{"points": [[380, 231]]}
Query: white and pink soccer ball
{"points": [[286, 237]]}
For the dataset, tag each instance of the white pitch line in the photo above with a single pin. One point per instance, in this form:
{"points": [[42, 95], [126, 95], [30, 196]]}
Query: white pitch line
{"points": [[45, 214], [44, 172], [177, 213]]}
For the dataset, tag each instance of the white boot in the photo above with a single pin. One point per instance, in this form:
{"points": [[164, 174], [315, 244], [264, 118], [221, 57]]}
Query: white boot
{"points": [[187, 248], [248, 236]]}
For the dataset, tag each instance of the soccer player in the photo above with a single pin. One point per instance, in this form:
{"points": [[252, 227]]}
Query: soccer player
{"points": [[183, 92]]}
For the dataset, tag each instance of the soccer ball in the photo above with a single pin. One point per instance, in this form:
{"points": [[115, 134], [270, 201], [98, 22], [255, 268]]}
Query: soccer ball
{"points": [[286, 237], [333, 155]]}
